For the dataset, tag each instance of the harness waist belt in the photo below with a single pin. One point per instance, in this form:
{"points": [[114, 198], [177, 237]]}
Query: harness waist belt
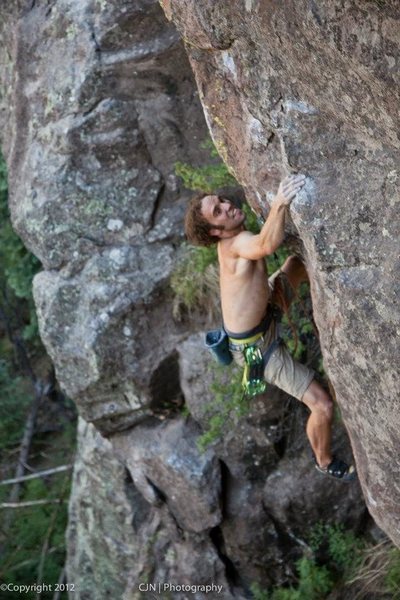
{"points": [[244, 341], [252, 335]]}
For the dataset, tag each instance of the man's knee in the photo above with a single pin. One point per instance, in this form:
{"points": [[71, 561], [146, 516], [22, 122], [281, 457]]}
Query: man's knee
{"points": [[318, 400], [292, 262], [295, 271]]}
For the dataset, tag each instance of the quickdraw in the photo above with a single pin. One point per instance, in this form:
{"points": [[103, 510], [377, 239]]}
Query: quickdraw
{"points": [[253, 382]]}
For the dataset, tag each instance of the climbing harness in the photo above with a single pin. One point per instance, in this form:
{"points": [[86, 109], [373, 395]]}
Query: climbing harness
{"points": [[255, 360], [253, 381], [221, 341]]}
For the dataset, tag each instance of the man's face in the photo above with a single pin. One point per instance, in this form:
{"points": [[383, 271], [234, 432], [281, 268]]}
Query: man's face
{"points": [[220, 212]]}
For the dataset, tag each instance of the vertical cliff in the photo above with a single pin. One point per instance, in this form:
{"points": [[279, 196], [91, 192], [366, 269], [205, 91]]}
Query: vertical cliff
{"points": [[314, 87], [97, 103]]}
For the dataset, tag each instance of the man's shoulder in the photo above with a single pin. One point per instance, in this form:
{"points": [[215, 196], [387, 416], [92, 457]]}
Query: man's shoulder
{"points": [[230, 248], [238, 242]]}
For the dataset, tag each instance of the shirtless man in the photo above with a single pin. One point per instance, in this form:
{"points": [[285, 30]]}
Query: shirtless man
{"points": [[247, 295]]}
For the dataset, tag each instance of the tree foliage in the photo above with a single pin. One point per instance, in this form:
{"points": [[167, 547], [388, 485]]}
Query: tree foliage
{"points": [[17, 267], [15, 399], [23, 540]]}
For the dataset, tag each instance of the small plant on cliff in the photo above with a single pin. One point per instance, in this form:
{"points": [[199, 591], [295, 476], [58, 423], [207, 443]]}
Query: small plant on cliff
{"points": [[258, 593], [194, 282], [333, 557], [392, 579], [314, 583], [229, 404], [378, 573], [342, 547], [206, 178]]}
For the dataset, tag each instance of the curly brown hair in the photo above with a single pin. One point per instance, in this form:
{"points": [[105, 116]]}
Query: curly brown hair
{"points": [[197, 228]]}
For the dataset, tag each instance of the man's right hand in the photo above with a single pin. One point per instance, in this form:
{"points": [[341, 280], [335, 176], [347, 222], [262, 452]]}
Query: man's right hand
{"points": [[288, 189], [253, 247]]}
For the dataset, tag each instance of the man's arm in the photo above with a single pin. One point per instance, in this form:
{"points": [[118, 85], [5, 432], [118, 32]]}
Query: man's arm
{"points": [[253, 247]]}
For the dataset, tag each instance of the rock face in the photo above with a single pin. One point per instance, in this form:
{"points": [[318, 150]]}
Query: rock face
{"points": [[91, 140], [314, 87], [97, 102], [99, 556], [165, 457], [119, 542]]}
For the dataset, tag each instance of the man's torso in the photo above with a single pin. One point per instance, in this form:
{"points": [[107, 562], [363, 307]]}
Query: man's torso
{"points": [[244, 289]]}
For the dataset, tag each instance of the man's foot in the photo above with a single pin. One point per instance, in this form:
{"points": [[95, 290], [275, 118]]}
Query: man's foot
{"points": [[338, 469]]}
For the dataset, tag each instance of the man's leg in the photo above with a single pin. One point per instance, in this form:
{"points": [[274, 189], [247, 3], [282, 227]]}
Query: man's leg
{"points": [[284, 288], [298, 380], [319, 424], [295, 271], [291, 377]]}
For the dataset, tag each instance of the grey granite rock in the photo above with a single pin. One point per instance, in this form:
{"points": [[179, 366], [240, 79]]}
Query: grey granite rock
{"points": [[94, 115], [166, 466], [104, 517], [120, 546]]}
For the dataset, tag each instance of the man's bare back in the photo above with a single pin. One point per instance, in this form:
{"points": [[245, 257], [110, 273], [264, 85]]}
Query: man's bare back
{"points": [[244, 289]]}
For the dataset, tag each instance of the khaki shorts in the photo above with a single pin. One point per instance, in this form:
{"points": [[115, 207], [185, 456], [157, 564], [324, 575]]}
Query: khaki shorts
{"points": [[281, 370]]}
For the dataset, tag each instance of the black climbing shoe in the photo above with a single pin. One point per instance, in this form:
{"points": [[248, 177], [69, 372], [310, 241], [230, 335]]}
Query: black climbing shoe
{"points": [[338, 469]]}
